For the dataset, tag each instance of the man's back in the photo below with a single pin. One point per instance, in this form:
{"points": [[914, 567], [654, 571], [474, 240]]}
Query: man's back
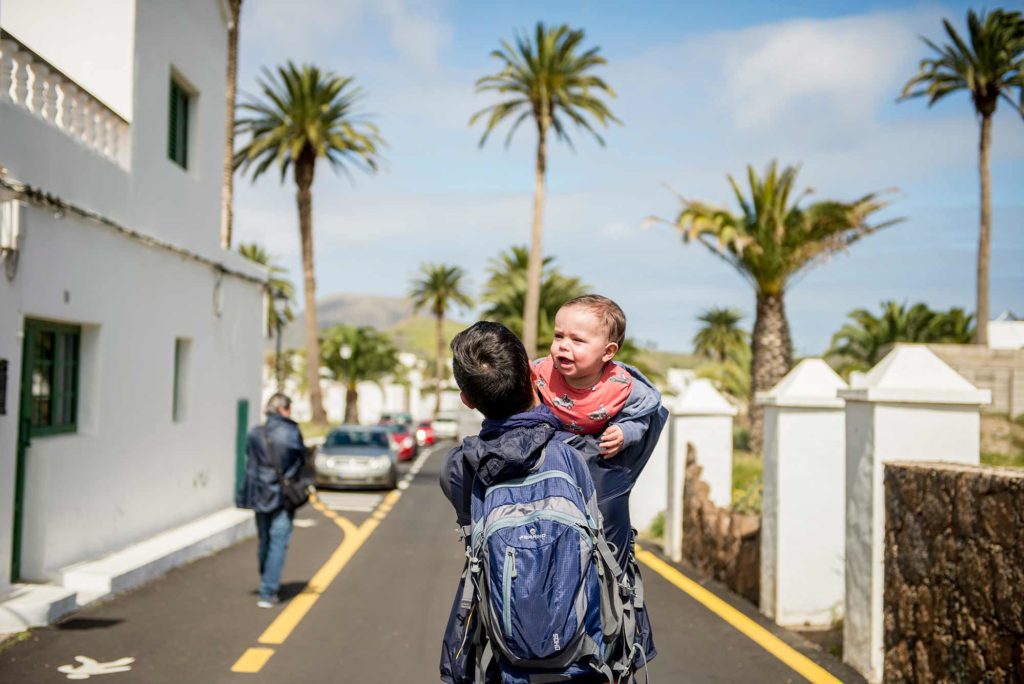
{"points": [[506, 449]]}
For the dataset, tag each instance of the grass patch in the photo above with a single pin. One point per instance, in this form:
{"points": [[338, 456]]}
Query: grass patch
{"points": [[313, 430], [14, 639], [1006, 460], [746, 481]]}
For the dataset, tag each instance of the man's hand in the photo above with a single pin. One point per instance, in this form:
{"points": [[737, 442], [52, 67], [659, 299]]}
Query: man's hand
{"points": [[611, 442]]}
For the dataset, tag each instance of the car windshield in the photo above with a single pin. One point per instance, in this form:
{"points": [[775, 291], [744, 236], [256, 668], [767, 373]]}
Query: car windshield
{"points": [[344, 438]]}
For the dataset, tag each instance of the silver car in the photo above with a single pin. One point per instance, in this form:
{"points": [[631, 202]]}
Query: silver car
{"points": [[355, 456]]}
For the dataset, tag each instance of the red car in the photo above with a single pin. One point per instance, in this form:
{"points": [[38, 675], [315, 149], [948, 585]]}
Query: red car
{"points": [[402, 440], [425, 434]]}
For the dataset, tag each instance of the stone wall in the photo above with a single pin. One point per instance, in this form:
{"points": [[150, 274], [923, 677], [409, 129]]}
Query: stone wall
{"points": [[954, 573], [999, 370], [718, 542]]}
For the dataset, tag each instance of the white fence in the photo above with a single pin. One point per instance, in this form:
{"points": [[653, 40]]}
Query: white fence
{"points": [[823, 505]]}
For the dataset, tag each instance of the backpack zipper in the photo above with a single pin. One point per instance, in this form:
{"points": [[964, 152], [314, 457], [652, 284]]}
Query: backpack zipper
{"points": [[509, 572]]}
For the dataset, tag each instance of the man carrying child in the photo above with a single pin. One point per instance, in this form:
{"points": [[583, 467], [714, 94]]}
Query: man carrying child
{"points": [[576, 404]]}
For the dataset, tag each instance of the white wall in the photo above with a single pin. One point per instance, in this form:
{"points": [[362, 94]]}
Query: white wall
{"points": [[155, 195], [129, 471], [93, 43]]}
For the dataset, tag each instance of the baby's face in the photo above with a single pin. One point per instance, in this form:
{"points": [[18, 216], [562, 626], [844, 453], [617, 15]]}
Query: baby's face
{"points": [[581, 346]]}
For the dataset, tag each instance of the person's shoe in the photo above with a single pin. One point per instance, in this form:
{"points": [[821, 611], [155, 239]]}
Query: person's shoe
{"points": [[267, 602]]}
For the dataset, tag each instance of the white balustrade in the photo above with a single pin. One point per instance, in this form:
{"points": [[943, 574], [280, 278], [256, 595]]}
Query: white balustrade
{"points": [[50, 98], [38, 89], [66, 114], [7, 50], [20, 76], [29, 82], [102, 124]]}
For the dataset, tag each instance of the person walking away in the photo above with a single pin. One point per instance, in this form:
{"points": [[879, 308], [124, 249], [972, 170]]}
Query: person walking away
{"points": [[274, 453]]}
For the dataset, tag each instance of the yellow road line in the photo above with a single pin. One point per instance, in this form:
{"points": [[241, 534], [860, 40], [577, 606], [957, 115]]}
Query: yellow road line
{"points": [[281, 628], [762, 637], [296, 609], [252, 660]]}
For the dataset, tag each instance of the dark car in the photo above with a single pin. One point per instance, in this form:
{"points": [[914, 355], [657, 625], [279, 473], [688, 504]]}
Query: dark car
{"points": [[402, 440], [356, 456]]}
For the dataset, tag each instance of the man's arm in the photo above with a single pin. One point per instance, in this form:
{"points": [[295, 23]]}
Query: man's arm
{"points": [[452, 479]]}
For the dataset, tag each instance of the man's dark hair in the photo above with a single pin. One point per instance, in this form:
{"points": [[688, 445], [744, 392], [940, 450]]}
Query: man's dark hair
{"points": [[277, 401], [492, 369]]}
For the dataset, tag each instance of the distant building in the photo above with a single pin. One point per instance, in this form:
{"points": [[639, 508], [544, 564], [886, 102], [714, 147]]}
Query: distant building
{"points": [[130, 342]]}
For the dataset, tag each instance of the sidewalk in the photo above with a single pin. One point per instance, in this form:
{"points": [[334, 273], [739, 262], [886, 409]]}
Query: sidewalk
{"points": [[37, 605]]}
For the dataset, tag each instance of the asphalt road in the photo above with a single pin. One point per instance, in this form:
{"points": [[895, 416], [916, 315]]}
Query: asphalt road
{"points": [[378, 617]]}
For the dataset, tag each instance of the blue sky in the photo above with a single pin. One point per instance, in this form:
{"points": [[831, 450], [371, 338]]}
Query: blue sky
{"points": [[703, 90]]}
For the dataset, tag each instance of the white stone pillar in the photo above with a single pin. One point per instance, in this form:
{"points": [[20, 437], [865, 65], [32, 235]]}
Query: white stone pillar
{"points": [[704, 418], [910, 407], [803, 514], [650, 493]]}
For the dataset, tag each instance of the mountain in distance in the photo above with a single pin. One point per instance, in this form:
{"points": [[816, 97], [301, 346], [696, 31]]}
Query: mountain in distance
{"points": [[411, 331], [374, 311]]}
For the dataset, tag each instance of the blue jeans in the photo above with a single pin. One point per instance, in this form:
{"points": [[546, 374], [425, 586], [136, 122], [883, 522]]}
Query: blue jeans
{"points": [[275, 531]]}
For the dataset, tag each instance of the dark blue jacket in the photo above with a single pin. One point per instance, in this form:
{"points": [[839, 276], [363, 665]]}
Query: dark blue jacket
{"points": [[261, 488], [510, 448]]}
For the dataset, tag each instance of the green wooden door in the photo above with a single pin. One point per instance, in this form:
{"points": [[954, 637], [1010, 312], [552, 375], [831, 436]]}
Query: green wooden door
{"points": [[24, 440], [241, 431]]}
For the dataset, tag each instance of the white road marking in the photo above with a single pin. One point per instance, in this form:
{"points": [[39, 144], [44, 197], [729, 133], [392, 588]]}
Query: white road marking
{"points": [[304, 522], [350, 501], [88, 667], [403, 485]]}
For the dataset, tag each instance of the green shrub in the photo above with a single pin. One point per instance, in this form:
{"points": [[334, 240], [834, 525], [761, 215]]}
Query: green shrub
{"points": [[740, 438], [657, 528]]}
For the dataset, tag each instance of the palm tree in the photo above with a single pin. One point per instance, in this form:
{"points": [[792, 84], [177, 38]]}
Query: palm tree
{"points": [[306, 115], [771, 242], [506, 291], [989, 68], [228, 181], [276, 283], [720, 334], [547, 79], [352, 355], [438, 287], [858, 345], [730, 375]]}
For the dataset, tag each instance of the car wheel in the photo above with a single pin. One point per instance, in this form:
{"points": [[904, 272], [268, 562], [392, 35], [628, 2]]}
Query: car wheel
{"points": [[393, 482]]}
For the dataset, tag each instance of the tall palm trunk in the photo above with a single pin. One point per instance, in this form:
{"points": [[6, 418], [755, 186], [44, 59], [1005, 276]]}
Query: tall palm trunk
{"points": [[440, 368], [351, 404], [228, 186], [771, 357], [985, 234], [531, 309], [304, 167]]}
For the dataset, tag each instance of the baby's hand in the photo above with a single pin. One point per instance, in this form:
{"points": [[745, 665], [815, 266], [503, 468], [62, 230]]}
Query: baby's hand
{"points": [[611, 442]]}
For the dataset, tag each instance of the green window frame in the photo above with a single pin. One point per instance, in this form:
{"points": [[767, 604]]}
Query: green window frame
{"points": [[177, 125], [53, 363]]}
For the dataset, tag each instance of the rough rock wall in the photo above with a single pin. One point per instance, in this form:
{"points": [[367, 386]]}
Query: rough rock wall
{"points": [[954, 573], [718, 542]]}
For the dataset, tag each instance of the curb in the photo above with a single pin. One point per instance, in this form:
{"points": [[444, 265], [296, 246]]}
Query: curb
{"points": [[38, 605]]}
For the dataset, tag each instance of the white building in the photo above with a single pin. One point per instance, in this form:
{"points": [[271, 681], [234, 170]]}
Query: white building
{"points": [[130, 343]]}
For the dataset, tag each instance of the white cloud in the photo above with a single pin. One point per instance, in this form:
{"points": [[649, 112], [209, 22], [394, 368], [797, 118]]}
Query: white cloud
{"points": [[848, 63], [305, 30]]}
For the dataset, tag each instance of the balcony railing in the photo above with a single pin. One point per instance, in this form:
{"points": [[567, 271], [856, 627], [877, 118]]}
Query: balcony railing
{"points": [[29, 81]]}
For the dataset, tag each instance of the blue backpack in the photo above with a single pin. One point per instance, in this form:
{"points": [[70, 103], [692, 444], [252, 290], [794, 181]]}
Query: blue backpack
{"points": [[550, 600]]}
